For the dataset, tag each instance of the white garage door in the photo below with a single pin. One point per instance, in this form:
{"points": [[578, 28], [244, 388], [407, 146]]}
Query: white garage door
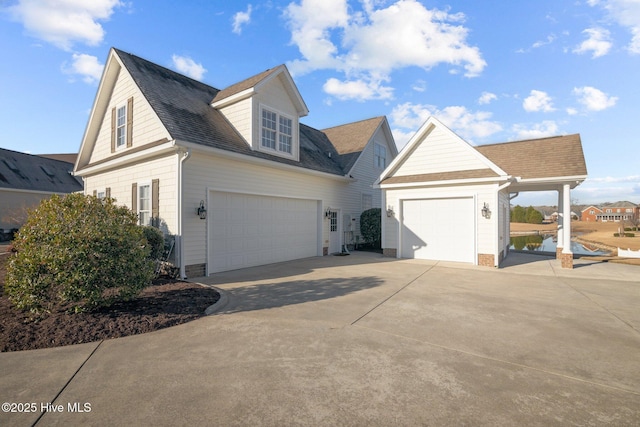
{"points": [[438, 229], [247, 230]]}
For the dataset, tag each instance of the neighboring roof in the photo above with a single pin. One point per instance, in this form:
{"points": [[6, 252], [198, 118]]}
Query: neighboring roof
{"points": [[539, 158], [183, 106], [351, 139], [21, 171], [442, 176], [65, 157], [621, 204]]}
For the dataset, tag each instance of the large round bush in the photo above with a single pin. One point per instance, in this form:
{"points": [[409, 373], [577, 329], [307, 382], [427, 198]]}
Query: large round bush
{"points": [[78, 252]]}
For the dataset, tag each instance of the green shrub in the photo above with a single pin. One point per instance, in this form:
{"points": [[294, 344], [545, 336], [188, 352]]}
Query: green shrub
{"points": [[77, 252], [371, 227], [624, 235], [155, 239]]}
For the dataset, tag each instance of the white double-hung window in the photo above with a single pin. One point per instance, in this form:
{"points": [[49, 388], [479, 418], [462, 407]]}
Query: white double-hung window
{"points": [[269, 129], [121, 126], [379, 156], [276, 132], [144, 204]]}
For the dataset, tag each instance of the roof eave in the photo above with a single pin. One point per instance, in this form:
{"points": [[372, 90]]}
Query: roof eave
{"points": [[236, 97], [259, 161], [473, 181]]}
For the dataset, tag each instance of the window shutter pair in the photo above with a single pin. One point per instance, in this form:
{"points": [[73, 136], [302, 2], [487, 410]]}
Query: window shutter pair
{"points": [[107, 192], [129, 125], [155, 201]]}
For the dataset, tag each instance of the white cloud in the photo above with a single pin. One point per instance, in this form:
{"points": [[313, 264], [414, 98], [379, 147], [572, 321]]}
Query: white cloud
{"points": [[598, 42], [419, 86], [188, 66], [467, 124], [368, 45], [86, 66], [594, 99], [486, 98], [610, 179], [240, 19], [359, 90], [538, 101], [64, 22], [401, 137], [538, 130], [627, 14]]}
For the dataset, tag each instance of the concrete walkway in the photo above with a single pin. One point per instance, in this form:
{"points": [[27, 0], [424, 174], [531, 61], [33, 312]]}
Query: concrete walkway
{"points": [[363, 340]]}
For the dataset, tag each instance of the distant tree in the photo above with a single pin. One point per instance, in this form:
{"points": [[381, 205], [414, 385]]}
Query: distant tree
{"points": [[518, 214], [532, 216]]}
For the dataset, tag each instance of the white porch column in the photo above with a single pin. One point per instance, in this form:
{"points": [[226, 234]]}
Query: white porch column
{"points": [[560, 233], [566, 256]]}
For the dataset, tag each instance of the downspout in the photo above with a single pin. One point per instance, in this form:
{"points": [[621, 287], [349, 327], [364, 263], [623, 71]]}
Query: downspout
{"points": [[183, 156]]}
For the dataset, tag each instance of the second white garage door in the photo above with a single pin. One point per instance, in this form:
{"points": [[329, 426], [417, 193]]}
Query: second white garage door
{"points": [[438, 229], [249, 230]]}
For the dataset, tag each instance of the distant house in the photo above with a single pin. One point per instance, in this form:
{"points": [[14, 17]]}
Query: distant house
{"points": [[231, 174], [27, 179], [618, 211], [590, 214]]}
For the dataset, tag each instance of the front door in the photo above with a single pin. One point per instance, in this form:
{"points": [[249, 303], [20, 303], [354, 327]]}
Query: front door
{"points": [[334, 233]]}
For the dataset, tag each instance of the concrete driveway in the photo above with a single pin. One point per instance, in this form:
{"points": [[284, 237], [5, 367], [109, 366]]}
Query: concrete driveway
{"points": [[363, 340]]}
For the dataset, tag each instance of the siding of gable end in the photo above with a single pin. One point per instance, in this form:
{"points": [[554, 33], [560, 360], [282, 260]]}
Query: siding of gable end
{"points": [[438, 154], [239, 115], [164, 169], [146, 126]]}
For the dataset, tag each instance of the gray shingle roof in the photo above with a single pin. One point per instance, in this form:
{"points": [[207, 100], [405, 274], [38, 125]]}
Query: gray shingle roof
{"points": [[183, 106], [351, 139], [21, 171]]}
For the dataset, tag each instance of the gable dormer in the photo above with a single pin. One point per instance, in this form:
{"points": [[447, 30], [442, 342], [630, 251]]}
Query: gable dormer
{"points": [[265, 109]]}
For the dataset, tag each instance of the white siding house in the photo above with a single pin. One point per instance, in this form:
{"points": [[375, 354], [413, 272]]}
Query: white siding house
{"points": [[273, 188]]}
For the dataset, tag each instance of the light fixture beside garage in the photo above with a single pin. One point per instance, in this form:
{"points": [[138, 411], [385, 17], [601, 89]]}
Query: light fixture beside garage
{"points": [[202, 210], [486, 212], [390, 211]]}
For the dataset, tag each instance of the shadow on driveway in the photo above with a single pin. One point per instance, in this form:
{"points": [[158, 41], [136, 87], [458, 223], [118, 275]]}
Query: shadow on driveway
{"points": [[279, 294]]}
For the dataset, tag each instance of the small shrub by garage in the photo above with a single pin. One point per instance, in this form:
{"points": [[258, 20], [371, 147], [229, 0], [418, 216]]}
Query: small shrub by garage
{"points": [[78, 252], [371, 227]]}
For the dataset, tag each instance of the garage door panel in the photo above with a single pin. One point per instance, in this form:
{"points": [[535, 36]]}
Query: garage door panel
{"points": [[438, 229], [250, 230]]}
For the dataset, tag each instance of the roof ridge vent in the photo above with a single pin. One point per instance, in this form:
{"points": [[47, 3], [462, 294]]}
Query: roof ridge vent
{"points": [[47, 171], [11, 165]]}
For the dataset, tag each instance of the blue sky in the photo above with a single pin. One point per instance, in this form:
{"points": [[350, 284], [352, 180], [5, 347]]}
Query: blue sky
{"points": [[491, 71]]}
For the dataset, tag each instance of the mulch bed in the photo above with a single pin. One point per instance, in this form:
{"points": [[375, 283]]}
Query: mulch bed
{"points": [[163, 304]]}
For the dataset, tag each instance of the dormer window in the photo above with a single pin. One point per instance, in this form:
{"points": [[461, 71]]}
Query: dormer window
{"points": [[276, 132]]}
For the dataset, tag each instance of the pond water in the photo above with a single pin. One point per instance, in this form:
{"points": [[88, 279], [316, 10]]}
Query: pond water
{"points": [[547, 243]]}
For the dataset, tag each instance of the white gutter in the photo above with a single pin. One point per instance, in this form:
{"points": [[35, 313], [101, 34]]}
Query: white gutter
{"points": [[157, 150], [262, 162], [183, 156], [436, 183]]}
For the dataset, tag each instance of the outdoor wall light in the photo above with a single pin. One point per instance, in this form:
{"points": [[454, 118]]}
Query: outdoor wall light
{"points": [[202, 210], [390, 211], [486, 212], [327, 212]]}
